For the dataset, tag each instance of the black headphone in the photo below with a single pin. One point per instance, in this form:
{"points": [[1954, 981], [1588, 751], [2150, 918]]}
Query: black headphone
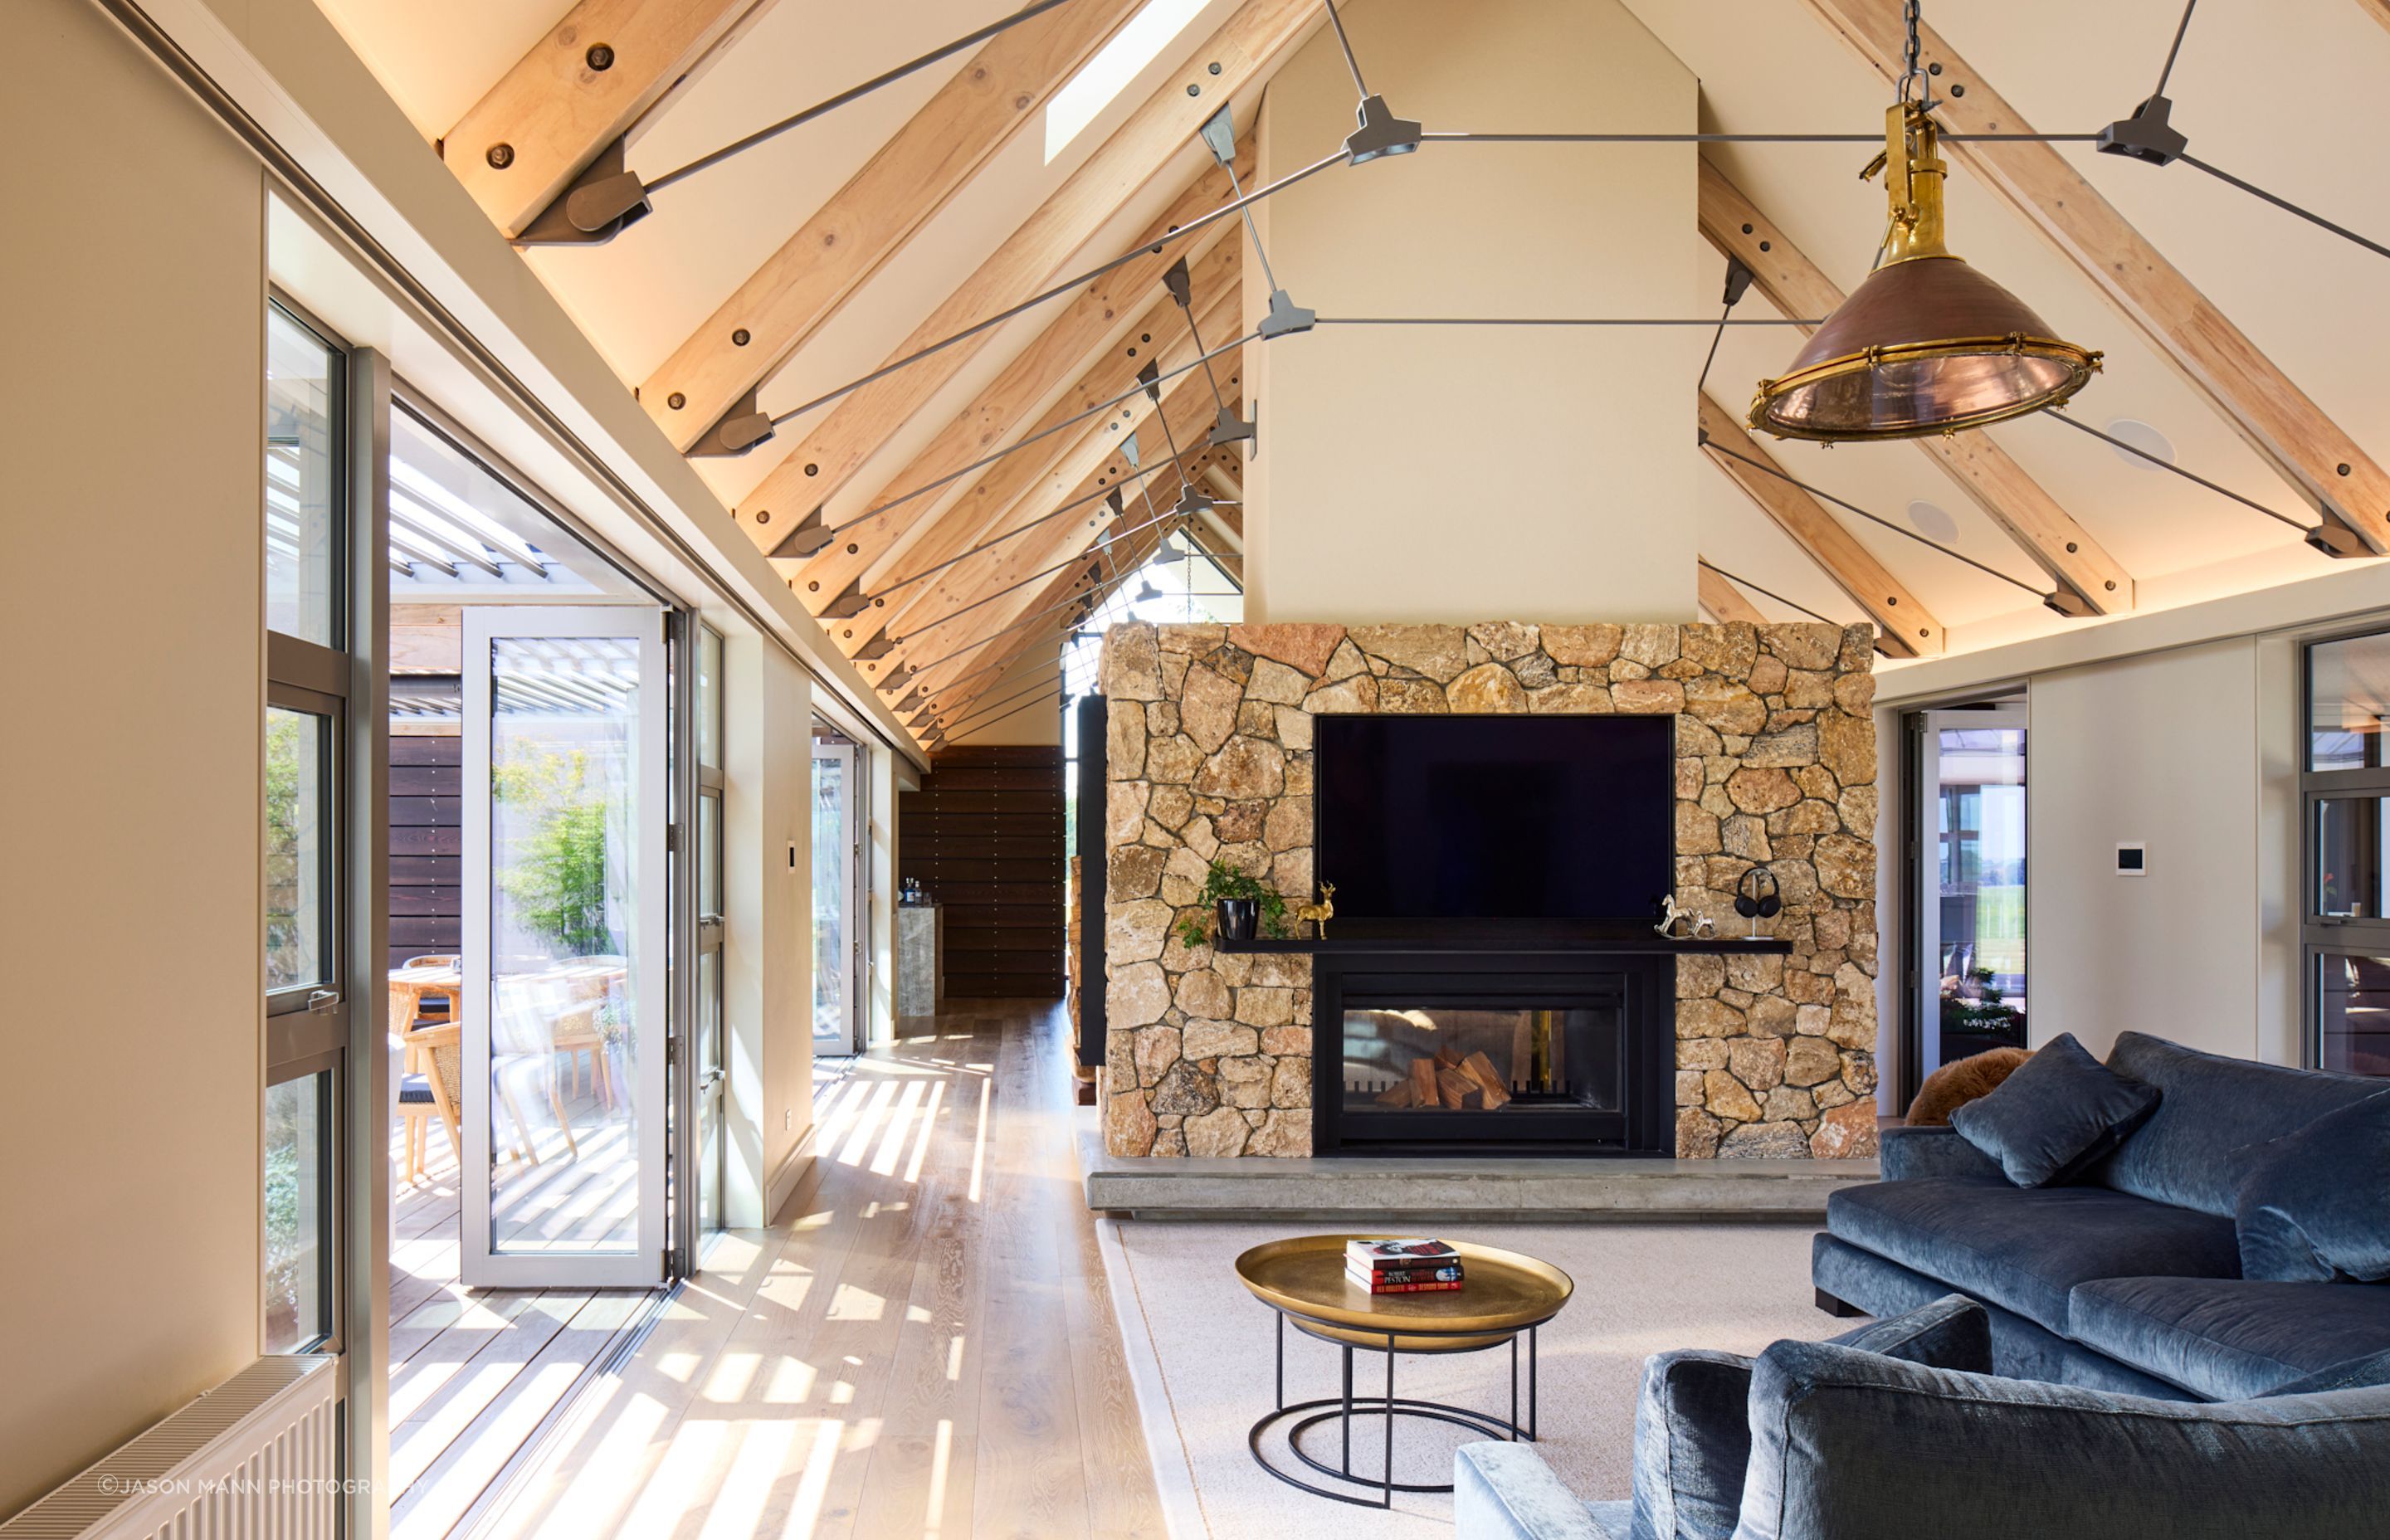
{"points": [[1753, 903]]}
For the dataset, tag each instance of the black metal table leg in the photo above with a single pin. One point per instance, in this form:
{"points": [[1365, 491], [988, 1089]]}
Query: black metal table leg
{"points": [[1346, 1420], [1281, 1367], [1514, 1383], [1389, 1419], [1531, 1385]]}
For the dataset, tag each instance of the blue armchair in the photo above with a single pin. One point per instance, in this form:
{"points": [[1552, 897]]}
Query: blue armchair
{"points": [[1895, 1432]]}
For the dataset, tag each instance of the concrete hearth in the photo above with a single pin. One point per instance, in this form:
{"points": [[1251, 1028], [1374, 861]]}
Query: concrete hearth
{"points": [[1336, 1190]]}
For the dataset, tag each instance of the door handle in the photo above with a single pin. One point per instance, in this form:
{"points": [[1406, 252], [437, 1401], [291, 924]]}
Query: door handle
{"points": [[322, 1001]]}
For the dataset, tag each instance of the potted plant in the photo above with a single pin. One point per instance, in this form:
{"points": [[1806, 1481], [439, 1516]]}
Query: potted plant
{"points": [[1241, 905]]}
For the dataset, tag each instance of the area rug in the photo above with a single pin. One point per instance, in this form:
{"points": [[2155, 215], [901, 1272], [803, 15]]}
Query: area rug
{"points": [[1201, 1350]]}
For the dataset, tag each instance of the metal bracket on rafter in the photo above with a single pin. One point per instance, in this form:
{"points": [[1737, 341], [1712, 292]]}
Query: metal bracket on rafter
{"points": [[1381, 134], [740, 429], [853, 601], [896, 678], [2069, 602], [1285, 317], [1191, 504], [1181, 286], [910, 702], [807, 539], [601, 203], [2146, 135], [878, 647], [2333, 537], [1151, 377]]}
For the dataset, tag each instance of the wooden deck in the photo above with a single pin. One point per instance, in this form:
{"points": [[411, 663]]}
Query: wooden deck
{"points": [[474, 1371], [923, 1345]]}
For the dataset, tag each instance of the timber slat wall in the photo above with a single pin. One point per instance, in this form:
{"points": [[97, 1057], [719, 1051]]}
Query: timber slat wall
{"points": [[427, 846], [984, 836]]}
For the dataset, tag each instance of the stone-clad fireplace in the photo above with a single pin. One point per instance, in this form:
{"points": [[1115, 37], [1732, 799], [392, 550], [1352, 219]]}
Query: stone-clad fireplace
{"points": [[1209, 751]]}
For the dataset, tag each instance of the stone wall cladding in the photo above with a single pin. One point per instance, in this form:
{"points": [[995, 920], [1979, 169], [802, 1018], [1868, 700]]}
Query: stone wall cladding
{"points": [[1209, 752]]}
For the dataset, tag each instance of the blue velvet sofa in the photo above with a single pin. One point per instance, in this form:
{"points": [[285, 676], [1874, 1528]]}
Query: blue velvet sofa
{"points": [[2127, 1278], [1896, 1433]]}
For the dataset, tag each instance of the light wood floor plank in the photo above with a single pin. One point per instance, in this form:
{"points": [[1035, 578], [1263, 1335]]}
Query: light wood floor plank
{"points": [[923, 1346]]}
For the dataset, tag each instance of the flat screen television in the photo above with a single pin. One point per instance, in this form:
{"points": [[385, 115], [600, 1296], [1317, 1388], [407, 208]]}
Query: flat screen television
{"points": [[1495, 817]]}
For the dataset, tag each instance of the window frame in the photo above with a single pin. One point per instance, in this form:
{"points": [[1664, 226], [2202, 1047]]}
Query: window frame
{"points": [[307, 1026], [2323, 936]]}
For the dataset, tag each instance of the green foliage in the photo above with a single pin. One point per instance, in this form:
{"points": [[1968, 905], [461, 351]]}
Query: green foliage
{"points": [[290, 945], [555, 876], [1222, 880]]}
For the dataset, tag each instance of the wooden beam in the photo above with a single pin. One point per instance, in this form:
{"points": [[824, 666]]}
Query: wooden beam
{"points": [[861, 423], [1032, 483], [1724, 600], [1004, 412], [1904, 627], [553, 112], [1130, 552], [1189, 410], [2378, 9], [1096, 463], [2278, 421], [2013, 499], [1001, 87], [1155, 334]]}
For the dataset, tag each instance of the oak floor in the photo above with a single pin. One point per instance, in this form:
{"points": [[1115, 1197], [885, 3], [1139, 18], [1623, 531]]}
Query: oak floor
{"points": [[923, 1345]]}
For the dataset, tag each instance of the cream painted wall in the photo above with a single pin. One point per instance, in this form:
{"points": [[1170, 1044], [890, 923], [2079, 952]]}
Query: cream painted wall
{"points": [[1411, 474], [130, 421], [2172, 748], [767, 957]]}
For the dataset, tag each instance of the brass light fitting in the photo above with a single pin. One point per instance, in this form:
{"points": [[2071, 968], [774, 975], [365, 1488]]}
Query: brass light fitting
{"points": [[1927, 344]]}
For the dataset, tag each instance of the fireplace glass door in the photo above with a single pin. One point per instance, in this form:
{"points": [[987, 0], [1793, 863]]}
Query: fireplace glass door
{"points": [[1434, 1064]]}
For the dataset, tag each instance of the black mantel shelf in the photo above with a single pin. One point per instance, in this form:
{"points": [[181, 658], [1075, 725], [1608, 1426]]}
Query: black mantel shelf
{"points": [[1355, 937]]}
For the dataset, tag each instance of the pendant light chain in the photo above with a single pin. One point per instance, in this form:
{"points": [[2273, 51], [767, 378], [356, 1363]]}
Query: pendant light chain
{"points": [[1913, 72]]}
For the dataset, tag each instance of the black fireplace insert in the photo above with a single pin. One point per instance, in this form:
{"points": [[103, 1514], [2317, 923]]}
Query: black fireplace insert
{"points": [[1528, 1053]]}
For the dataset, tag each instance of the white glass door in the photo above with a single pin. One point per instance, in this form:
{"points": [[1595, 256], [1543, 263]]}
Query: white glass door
{"points": [[838, 987], [565, 931]]}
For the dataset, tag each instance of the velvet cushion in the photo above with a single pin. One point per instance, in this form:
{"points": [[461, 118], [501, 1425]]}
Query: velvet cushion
{"points": [[2025, 1248], [1505, 1491], [1937, 1152], [1692, 1421], [2313, 1208], [2357, 1374], [2226, 1338], [2210, 1108], [1853, 1446], [2060, 1110]]}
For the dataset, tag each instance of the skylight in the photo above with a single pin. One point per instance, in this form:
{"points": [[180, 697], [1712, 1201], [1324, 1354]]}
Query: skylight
{"points": [[1117, 63]]}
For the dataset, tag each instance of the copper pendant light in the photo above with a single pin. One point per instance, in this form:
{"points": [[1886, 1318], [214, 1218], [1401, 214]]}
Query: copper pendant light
{"points": [[1927, 344]]}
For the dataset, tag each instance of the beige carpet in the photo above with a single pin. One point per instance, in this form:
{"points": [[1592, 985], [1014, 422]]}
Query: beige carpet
{"points": [[1641, 1289]]}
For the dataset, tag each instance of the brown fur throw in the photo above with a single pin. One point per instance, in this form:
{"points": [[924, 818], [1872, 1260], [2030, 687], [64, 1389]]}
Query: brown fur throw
{"points": [[1956, 1084]]}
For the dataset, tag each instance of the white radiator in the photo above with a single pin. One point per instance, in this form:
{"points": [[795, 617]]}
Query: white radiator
{"points": [[256, 1458]]}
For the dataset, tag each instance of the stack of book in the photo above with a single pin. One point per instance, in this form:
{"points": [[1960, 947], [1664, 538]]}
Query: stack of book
{"points": [[1410, 1266]]}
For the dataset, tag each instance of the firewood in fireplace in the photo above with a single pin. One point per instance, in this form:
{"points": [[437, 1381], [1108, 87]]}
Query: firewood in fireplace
{"points": [[1397, 1095], [1423, 1087], [1448, 1056], [1458, 1089], [1479, 1069]]}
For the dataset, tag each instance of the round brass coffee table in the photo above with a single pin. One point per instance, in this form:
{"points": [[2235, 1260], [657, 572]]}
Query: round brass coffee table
{"points": [[1506, 1295]]}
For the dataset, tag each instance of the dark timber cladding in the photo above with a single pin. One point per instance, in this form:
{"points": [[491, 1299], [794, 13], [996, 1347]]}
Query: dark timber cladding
{"points": [[426, 843], [983, 836]]}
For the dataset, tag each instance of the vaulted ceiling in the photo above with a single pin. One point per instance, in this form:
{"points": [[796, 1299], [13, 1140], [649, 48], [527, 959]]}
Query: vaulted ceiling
{"points": [[2240, 342]]}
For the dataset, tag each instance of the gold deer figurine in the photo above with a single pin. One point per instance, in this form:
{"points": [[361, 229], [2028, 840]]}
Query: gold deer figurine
{"points": [[1320, 914]]}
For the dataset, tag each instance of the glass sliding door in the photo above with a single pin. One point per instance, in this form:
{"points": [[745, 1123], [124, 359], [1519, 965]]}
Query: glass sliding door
{"points": [[2345, 788], [1968, 889], [566, 928], [838, 986], [710, 1055]]}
